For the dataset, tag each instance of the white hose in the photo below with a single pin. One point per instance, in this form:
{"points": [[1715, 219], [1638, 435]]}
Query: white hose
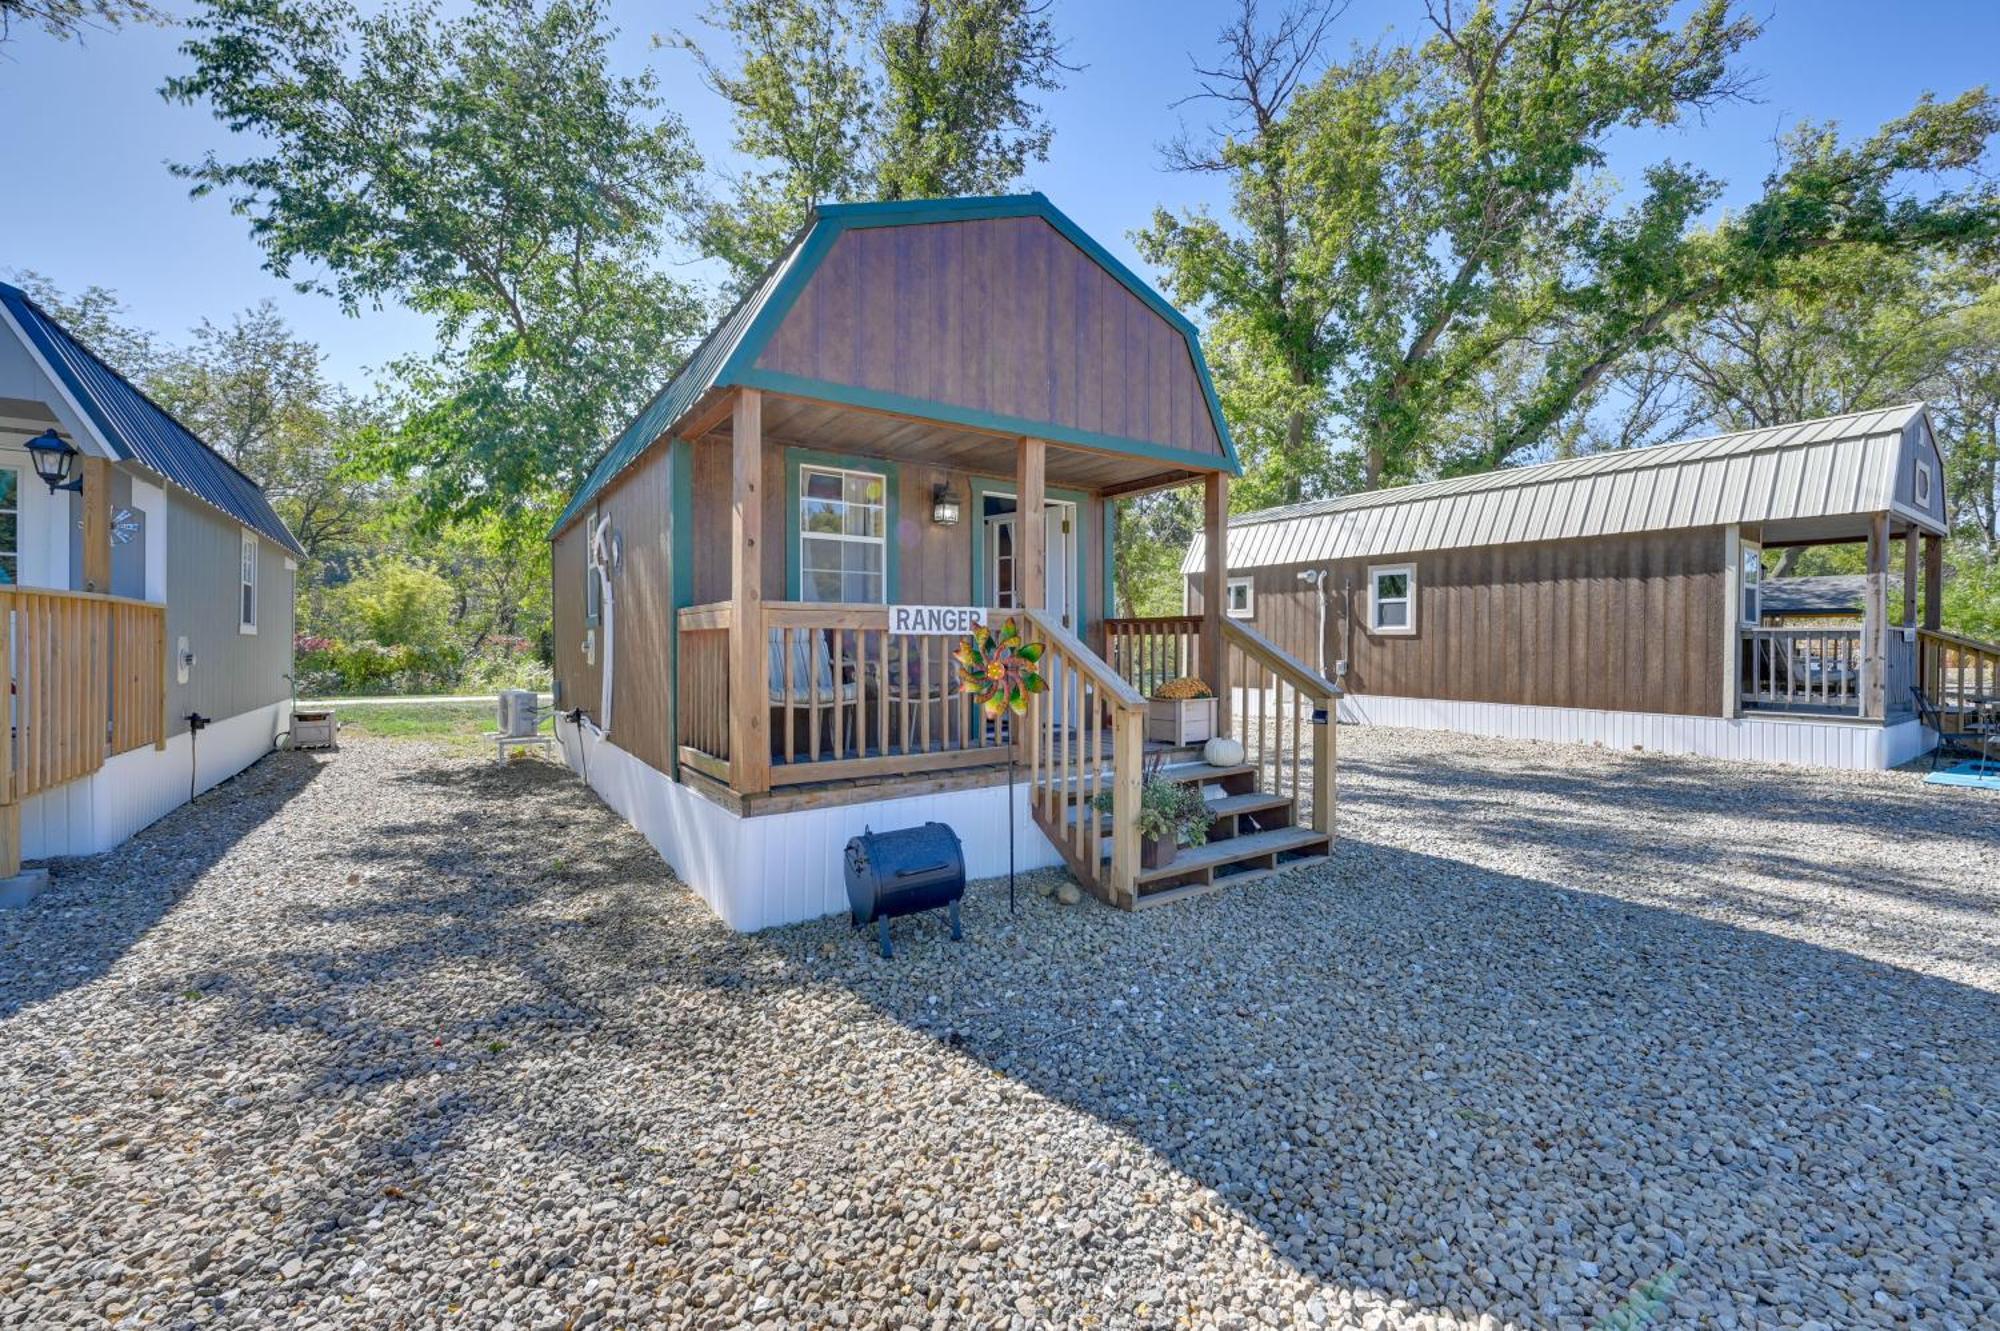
{"points": [[602, 557]]}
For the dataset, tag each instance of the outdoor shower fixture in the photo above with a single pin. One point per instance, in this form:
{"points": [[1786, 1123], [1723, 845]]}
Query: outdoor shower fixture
{"points": [[1316, 579]]}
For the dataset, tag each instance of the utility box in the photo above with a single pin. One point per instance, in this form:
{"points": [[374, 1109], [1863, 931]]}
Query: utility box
{"points": [[314, 728]]}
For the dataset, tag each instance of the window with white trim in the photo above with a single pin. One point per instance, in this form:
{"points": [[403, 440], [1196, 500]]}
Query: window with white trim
{"points": [[1752, 583], [1239, 598], [10, 526], [843, 535], [1923, 483], [247, 605], [1392, 598]]}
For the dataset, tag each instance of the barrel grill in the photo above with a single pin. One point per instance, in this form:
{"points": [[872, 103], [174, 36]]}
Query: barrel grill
{"points": [[903, 872]]}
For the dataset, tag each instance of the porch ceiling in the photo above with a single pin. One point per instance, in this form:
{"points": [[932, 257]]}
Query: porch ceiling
{"points": [[823, 425]]}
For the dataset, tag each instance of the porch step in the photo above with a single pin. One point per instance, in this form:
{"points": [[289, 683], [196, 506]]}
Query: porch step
{"points": [[1228, 813], [1204, 773], [1251, 851]]}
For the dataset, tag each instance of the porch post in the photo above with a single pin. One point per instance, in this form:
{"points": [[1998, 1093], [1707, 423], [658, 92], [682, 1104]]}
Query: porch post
{"points": [[1214, 577], [1875, 622], [1732, 621], [1030, 548], [96, 524], [1910, 578], [1933, 582], [749, 663]]}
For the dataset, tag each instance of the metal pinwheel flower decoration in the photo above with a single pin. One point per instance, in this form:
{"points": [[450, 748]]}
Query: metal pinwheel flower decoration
{"points": [[998, 670]]}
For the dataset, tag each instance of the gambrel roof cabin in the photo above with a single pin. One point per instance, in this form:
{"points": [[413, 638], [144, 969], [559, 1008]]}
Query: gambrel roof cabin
{"points": [[1618, 598], [921, 403]]}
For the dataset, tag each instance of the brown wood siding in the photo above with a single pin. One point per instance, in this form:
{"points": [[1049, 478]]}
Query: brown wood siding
{"points": [[1628, 623], [642, 585], [1003, 316]]}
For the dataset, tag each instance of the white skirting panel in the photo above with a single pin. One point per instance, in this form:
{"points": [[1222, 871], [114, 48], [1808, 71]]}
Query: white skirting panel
{"points": [[781, 868], [135, 789], [1798, 741]]}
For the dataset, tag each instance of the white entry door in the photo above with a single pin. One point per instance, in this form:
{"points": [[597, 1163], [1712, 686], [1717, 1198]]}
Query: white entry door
{"points": [[1058, 562]]}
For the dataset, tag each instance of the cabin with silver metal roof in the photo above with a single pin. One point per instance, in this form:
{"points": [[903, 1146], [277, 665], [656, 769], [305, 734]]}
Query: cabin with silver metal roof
{"points": [[1618, 598]]}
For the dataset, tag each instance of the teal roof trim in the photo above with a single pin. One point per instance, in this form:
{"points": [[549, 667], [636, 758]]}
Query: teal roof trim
{"points": [[728, 356]]}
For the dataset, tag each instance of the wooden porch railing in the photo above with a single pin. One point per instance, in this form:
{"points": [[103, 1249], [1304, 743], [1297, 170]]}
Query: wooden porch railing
{"points": [[701, 687], [1285, 717], [88, 679], [1956, 672], [1147, 652], [1084, 737], [1817, 668]]}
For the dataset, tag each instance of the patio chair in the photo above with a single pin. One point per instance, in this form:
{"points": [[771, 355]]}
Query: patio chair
{"points": [[811, 671], [1969, 741]]}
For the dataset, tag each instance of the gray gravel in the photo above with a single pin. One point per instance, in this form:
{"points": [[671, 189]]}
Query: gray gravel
{"points": [[392, 1038]]}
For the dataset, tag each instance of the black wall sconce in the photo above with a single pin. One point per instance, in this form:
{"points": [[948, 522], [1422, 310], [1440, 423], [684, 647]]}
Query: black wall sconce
{"points": [[944, 505], [55, 460]]}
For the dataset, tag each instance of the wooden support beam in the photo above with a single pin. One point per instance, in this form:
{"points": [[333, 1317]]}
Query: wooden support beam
{"points": [[1128, 758], [1933, 582], [1030, 538], [1732, 621], [749, 662], [1214, 577], [96, 524], [10, 840], [1875, 622], [1910, 560]]}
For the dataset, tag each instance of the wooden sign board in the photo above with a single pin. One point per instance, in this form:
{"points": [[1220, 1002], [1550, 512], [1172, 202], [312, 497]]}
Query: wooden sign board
{"points": [[932, 621]]}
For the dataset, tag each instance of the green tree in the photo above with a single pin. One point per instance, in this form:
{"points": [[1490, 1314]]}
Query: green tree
{"points": [[64, 19], [1425, 225], [398, 602], [838, 100], [486, 170]]}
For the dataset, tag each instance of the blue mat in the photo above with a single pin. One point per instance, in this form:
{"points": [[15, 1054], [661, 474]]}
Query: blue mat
{"points": [[1984, 774]]}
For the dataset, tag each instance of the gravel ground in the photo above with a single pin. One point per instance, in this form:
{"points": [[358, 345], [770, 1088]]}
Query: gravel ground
{"points": [[394, 1038]]}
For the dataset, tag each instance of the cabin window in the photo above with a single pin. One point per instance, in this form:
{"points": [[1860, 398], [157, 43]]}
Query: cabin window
{"points": [[247, 586], [593, 593], [1753, 584], [1239, 599], [843, 535], [1923, 483], [10, 526], [1392, 598]]}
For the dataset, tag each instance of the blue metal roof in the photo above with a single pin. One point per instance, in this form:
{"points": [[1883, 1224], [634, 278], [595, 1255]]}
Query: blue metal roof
{"points": [[139, 430], [729, 353]]}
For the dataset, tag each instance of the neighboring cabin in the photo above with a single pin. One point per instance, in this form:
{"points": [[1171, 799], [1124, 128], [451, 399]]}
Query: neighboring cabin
{"points": [[1618, 598], [162, 587], [921, 403]]}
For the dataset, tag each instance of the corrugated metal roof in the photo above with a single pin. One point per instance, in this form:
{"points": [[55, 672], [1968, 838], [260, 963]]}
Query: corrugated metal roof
{"points": [[1836, 466], [1824, 594], [140, 429]]}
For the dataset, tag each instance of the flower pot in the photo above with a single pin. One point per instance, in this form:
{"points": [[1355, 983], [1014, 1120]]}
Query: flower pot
{"points": [[1180, 720], [1156, 853]]}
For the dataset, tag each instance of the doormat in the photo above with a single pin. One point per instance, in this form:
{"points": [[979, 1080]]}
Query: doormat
{"points": [[1984, 774]]}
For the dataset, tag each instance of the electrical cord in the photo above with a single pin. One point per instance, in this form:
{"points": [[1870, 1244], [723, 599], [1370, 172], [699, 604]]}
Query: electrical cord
{"points": [[575, 716]]}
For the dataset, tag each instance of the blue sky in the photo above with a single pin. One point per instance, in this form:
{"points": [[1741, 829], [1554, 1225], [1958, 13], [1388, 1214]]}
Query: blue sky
{"points": [[92, 201]]}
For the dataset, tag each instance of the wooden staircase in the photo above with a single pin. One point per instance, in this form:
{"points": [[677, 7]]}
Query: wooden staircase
{"points": [[1252, 834]]}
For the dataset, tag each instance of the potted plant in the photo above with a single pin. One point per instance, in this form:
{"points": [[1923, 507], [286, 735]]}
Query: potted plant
{"points": [[1169, 813], [1181, 711]]}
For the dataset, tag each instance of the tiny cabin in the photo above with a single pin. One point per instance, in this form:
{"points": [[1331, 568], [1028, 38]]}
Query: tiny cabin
{"points": [[921, 404], [144, 582], [1620, 598]]}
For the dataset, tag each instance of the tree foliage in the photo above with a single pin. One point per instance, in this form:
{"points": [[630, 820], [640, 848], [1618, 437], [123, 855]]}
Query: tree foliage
{"points": [[64, 19], [1423, 240], [839, 100], [486, 170]]}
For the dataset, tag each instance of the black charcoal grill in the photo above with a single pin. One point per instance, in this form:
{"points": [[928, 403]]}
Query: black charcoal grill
{"points": [[903, 872]]}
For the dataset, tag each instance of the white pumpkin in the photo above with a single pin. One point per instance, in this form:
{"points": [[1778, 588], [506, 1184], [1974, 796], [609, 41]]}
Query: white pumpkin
{"points": [[1223, 751]]}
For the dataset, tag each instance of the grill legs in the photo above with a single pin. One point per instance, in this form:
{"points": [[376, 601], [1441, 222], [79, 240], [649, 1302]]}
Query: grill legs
{"points": [[956, 936], [882, 934]]}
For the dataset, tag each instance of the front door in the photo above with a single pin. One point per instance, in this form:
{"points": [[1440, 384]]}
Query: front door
{"points": [[1058, 561]]}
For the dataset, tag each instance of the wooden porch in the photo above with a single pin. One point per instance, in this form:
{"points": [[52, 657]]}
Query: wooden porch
{"points": [[87, 678], [781, 704]]}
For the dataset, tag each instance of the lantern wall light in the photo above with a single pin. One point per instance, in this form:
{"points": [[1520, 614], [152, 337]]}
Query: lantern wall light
{"points": [[944, 505], [55, 461]]}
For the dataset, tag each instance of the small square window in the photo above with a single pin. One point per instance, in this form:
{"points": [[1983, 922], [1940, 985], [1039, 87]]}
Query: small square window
{"points": [[1392, 598], [1239, 600]]}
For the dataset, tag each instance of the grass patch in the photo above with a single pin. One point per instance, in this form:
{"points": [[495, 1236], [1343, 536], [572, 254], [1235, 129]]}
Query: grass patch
{"points": [[450, 722]]}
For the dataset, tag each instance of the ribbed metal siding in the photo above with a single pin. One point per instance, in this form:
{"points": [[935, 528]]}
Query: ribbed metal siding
{"points": [[1844, 465], [143, 431]]}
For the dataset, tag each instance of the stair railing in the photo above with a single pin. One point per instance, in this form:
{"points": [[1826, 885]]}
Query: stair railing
{"points": [[1085, 736], [1956, 672], [1284, 713]]}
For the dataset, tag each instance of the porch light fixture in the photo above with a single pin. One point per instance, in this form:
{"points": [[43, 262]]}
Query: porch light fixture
{"points": [[944, 505], [54, 460]]}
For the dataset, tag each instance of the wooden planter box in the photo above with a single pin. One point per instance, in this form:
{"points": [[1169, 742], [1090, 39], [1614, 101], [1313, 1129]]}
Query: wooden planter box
{"points": [[1180, 720]]}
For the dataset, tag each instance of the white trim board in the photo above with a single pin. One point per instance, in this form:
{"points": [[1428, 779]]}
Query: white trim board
{"points": [[780, 868], [1793, 740]]}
